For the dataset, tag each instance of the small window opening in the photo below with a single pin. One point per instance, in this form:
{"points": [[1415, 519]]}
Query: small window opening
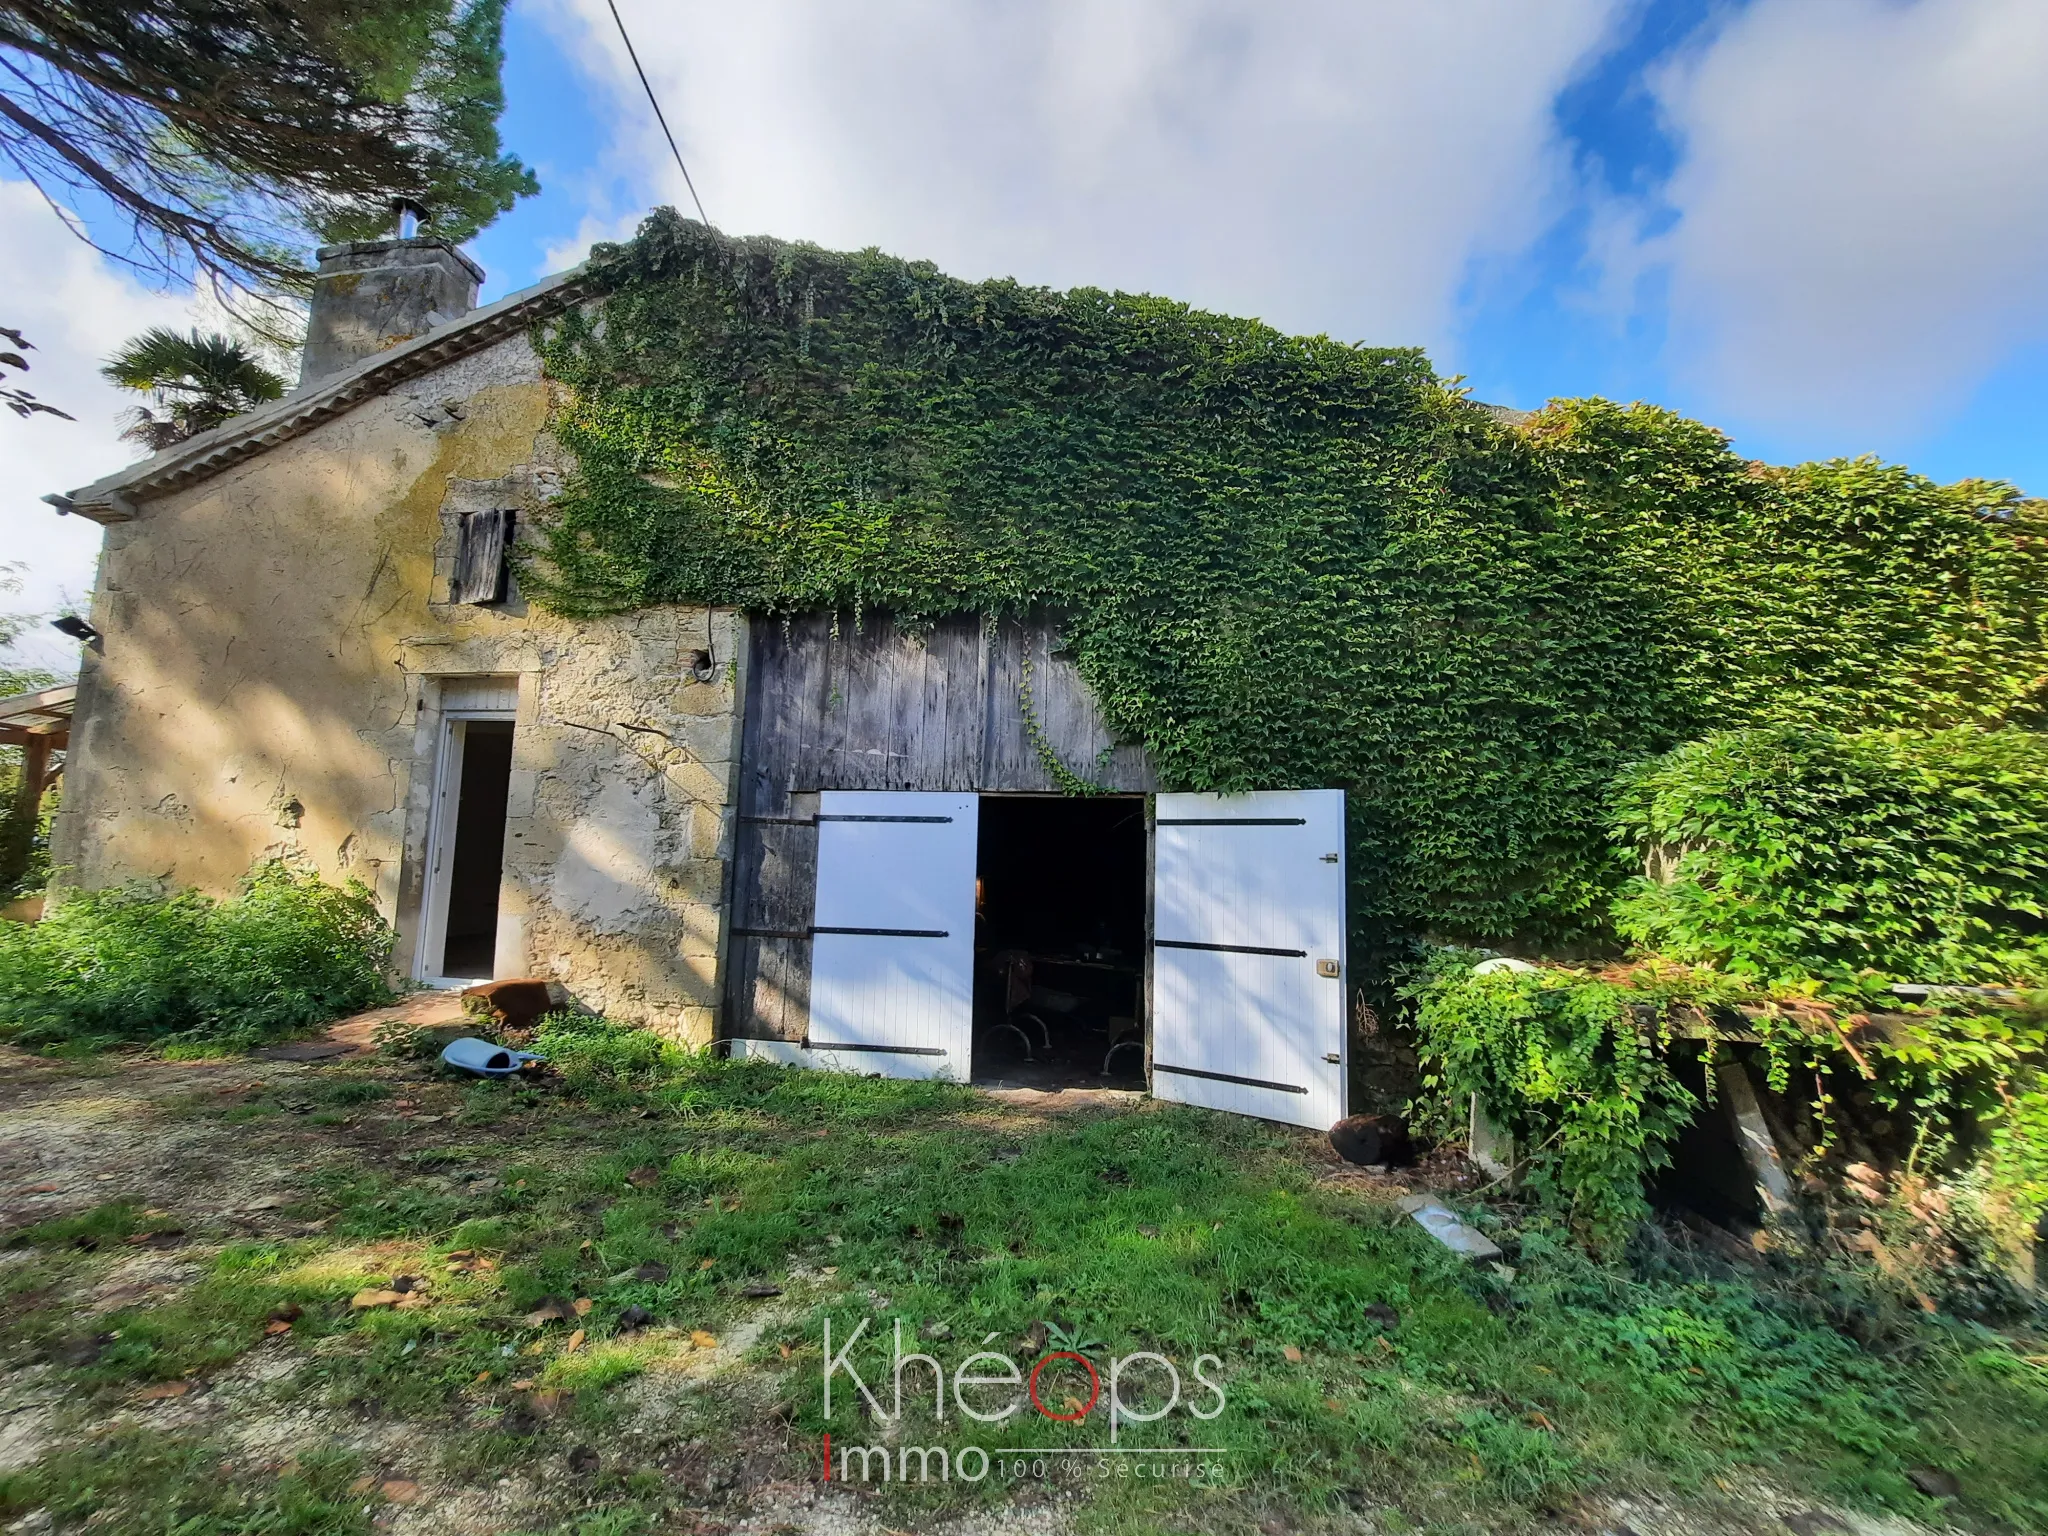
{"points": [[1059, 953], [477, 859]]}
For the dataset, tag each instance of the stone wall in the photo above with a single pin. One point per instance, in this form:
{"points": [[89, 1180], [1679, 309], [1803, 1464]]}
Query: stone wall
{"points": [[274, 644]]}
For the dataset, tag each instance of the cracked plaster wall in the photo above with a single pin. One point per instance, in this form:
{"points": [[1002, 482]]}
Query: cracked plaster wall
{"points": [[269, 682]]}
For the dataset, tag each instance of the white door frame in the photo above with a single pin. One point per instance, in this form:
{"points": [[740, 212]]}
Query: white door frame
{"points": [[431, 950]]}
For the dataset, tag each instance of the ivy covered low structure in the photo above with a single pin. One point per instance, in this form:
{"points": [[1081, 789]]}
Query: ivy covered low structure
{"points": [[879, 670], [1278, 561]]}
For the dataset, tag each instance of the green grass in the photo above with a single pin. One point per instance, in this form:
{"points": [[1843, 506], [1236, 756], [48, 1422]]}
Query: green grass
{"points": [[136, 1483], [1488, 1401]]}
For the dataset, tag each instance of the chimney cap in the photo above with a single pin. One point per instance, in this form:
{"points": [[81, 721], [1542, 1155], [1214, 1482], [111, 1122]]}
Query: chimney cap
{"points": [[345, 255]]}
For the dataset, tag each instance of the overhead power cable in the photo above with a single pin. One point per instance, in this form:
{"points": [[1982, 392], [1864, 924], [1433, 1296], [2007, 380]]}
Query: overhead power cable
{"points": [[652, 101]]}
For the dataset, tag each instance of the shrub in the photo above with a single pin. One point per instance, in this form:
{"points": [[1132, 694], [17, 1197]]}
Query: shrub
{"points": [[1558, 1058], [1791, 854], [133, 964]]}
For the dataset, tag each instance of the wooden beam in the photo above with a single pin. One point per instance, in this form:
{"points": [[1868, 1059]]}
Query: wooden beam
{"points": [[28, 803]]}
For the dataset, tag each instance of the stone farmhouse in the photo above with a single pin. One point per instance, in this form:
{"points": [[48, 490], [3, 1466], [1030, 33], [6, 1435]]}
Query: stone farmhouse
{"points": [[820, 839]]}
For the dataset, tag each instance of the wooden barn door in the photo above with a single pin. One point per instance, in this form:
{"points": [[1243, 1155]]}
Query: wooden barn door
{"points": [[1248, 944], [892, 939]]}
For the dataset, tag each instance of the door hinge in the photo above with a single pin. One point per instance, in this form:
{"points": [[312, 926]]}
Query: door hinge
{"points": [[1332, 1058], [1329, 858], [1328, 968]]}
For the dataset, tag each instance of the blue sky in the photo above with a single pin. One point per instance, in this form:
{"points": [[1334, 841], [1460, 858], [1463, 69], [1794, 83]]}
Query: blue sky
{"points": [[1816, 224], [1543, 317]]}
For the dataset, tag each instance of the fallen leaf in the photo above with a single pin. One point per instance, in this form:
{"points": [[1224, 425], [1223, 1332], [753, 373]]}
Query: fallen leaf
{"points": [[276, 1326], [524, 1384], [581, 1306], [785, 1350], [1293, 1355], [537, 1347], [412, 1301], [1334, 1406], [482, 1376], [584, 1246], [707, 1263], [163, 1390], [399, 1491], [549, 1402], [374, 1297], [462, 1254], [42, 1189], [702, 1339], [646, 1176], [575, 1342], [1541, 1421], [361, 1485], [829, 1269], [519, 1184]]}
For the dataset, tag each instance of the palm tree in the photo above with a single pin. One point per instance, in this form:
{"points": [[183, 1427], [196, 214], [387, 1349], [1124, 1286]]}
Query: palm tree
{"points": [[197, 380]]}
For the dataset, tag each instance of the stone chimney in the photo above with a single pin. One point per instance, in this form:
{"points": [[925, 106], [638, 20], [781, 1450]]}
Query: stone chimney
{"points": [[373, 294]]}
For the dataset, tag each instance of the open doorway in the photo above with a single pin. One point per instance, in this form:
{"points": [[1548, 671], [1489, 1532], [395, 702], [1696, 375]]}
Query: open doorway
{"points": [[467, 854], [1059, 949]]}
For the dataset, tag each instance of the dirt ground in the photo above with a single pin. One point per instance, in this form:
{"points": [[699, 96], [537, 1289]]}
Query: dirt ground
{"points": [[75, 1137]]}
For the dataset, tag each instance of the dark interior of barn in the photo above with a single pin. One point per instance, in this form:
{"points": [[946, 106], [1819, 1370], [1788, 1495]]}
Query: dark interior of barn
{"points": [[1059, 949]]}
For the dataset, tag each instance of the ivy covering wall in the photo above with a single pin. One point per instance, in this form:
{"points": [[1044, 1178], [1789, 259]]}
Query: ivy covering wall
{"points": [[1282, 561]]}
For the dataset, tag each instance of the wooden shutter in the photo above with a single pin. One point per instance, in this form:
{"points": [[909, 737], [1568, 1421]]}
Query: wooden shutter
{"points": [[480, 560]]}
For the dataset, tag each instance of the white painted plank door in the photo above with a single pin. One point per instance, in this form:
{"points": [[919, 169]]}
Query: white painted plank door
{"points": [[892, 946], [1247, 958]]}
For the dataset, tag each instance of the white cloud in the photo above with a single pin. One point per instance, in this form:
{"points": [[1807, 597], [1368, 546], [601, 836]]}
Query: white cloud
{"points": [[1327, 166], [1862, 208], [76, 309]]}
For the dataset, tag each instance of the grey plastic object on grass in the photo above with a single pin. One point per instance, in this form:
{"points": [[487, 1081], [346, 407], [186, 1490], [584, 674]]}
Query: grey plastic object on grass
{"points": [[1443, 1225], [470, 1054]]}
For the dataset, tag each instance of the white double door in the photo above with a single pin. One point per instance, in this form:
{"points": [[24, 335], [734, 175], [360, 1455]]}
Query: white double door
{"points": [[892, 938], [1248, 954], [1248, 920]]}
